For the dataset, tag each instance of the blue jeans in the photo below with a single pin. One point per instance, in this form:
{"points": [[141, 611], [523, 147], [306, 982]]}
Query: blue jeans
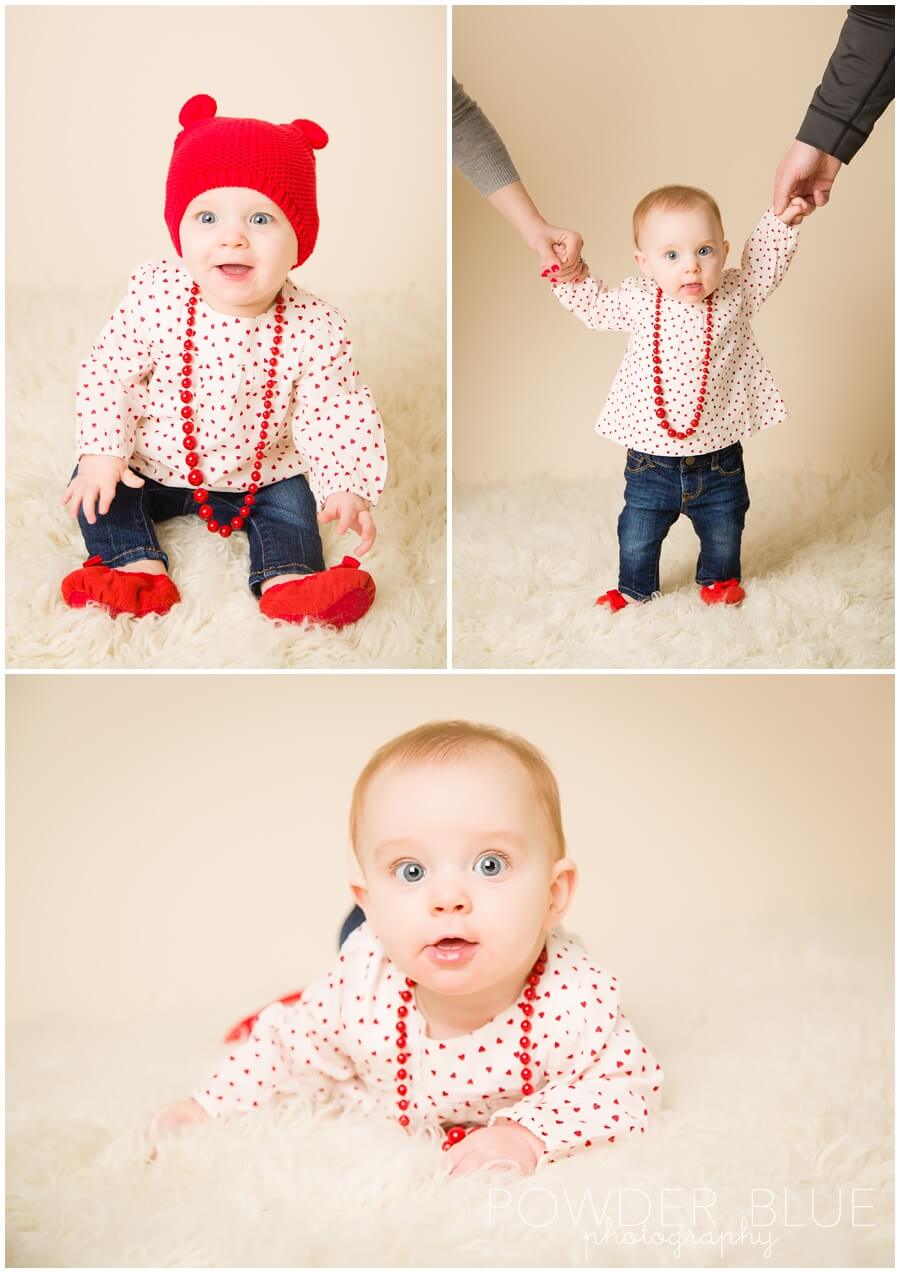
{"points": [[283, 532], [709, 489]]}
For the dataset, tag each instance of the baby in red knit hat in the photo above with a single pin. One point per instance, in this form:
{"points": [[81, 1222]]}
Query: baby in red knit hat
{"points": [[219, 389]]}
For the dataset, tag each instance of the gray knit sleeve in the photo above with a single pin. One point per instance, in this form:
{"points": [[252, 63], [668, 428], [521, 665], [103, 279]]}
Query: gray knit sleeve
{"points": [[857, 85], [478, 151]]}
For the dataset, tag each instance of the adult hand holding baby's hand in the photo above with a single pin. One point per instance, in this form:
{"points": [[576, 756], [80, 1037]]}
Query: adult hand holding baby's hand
{"points": [[504, 1143], [796, 210], [806, 172], [560, 253], [351, 513], [95, 484]]}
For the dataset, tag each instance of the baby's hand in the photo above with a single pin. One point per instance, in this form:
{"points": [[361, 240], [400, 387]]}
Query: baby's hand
{"points": [[351, 513], [173, 1117], [97, 477], [505, 1142], [796, 210]]}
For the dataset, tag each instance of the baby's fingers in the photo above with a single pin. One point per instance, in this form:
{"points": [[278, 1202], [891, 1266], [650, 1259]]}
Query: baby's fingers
{"points": [[347, 519], [88, 500], [365, 525], [107, 495]]}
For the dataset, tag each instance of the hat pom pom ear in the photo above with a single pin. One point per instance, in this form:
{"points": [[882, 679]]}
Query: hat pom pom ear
{"points": [[316, 136], [200, 107]]}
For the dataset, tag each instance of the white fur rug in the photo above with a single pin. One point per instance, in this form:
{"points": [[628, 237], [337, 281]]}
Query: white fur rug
{"points": [[779, 1077], [531, 557], [399, 344]]}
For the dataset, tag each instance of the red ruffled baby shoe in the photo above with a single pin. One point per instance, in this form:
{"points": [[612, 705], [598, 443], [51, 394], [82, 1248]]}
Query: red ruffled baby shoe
{"points": [[613, 599], [334, 597], [119, 591], [723, 592]]}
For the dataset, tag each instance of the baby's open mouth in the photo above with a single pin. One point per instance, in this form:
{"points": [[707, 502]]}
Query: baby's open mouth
{"points": [[451, 950], [235, 271]]}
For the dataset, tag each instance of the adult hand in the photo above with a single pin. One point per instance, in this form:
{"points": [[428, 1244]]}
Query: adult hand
{"points": [[351, 513], [560, 253], [807, 173], [96, 480], [506, 1143]]}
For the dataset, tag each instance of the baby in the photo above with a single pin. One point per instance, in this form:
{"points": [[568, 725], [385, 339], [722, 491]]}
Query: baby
{"points": [[219, 389], [459, 1007], [692, 383]]}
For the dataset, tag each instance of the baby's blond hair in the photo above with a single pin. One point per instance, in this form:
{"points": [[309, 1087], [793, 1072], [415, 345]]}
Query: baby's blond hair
{"points": [[673, 199], [449, 740]]}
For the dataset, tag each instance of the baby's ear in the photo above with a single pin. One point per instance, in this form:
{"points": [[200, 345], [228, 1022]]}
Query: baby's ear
{"points": [[196, 109], [316, 136]]}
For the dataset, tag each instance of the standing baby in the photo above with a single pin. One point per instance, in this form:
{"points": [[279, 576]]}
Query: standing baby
{"points": [[222, 390], [692, 385]]}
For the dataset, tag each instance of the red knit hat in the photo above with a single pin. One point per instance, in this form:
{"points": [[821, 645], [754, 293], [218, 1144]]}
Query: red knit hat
{"points": [[275, 159]]}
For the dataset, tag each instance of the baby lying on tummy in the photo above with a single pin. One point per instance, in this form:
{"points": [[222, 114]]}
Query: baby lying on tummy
{"points": [[459, 1007]]}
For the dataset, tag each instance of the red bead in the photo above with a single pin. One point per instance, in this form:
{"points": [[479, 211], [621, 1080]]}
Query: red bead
{"points": [[658, 401], [409, 981], [190, 331], [406, 995], [402, 1089], [278, 329], [525, 1025], [191, 459], [657, 361], [682, 436], [188, 360], [224, 531], [273, 363], [187, 426], [195, 477], [533, 979], [201, 496], [671, 433], [195, 289], [186, 396], [212, 526], [402, 1074], [277, 338], [527, 1089], [661, 413], [402, 1058], [402, 1011], [205, 511], [404, 1120], [189, 443], [526, 1074], [524, 1042], [270, 384], [690, 432], [527, 1008], [403, 1104], [249, 499], [253, 488], [189, 345], [186, 383], [237, 523], [187, 412], [456, 1134]]}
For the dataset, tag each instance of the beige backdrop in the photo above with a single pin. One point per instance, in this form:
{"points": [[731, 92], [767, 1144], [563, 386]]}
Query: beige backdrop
{"points": [[598, 105], [93, 96], [179, 841]]}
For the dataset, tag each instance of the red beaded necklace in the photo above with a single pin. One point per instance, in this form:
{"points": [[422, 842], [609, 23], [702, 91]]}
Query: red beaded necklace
{"points": [[657, 373], [456, 1134], [195, 477]]}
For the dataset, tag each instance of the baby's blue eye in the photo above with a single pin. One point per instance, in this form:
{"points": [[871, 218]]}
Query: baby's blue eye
{"points": [[705, 252], [671, 255], [490, 865], [409, 872], [201, 217], [265, 215]]}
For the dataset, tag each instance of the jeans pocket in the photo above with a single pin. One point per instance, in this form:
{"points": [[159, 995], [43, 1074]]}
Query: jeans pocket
{"points": [[730, 462], [636, 462]]}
